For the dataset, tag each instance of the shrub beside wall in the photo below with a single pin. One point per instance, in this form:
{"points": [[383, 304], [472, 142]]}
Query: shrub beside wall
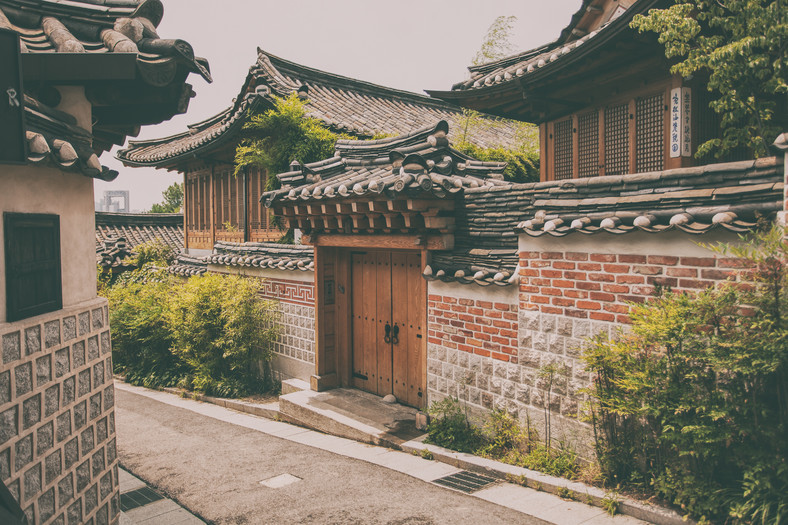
{"points": [[692, 403], [210, 333]]}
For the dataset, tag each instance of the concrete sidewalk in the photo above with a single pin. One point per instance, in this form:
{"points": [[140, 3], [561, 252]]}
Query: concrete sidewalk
{"points": [[529, 502], [141, 505]]}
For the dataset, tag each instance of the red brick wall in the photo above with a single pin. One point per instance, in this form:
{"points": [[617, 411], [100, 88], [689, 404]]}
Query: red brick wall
{"points": [[598, 286], [479, 327]]}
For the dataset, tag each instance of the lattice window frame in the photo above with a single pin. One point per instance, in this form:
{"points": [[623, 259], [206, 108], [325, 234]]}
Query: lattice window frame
{"points": [[563, 150], [588, 144], [650, 133], [617, 139]]}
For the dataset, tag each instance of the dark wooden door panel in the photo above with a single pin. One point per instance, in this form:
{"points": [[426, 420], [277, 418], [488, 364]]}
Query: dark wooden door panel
{"points": [[388, 290]]}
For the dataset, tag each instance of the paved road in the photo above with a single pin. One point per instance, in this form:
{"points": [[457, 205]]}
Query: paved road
{"points": [[214, 468]]}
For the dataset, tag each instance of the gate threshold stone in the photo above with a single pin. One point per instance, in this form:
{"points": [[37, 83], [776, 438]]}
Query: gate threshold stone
{"points": [[351, 414]]}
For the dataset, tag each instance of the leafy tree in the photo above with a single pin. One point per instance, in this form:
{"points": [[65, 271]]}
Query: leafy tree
{"points": [[282, 134], [496, 43], [173, 199], [741, 46]]}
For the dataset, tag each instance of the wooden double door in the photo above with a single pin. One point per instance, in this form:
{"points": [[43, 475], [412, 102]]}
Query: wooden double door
{"points": [[388, 324]]}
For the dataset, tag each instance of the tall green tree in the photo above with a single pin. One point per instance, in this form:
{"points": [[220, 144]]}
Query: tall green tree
{"points": [[740, 45], [173, 199], [497, 41]]}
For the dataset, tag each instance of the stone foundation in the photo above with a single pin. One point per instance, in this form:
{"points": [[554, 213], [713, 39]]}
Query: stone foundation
{"points": [[58, 453]]}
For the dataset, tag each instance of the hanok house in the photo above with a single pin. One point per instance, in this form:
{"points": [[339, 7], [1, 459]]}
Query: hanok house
{"points": [[119, 234], [622, 204], [513, 276], [221, 207], [88, 74]]}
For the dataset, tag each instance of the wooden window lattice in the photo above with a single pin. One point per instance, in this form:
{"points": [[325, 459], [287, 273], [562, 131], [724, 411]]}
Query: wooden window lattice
{"points": [[617, 140], [563, 149], [32, 265], [650, 133], [588, 144]]}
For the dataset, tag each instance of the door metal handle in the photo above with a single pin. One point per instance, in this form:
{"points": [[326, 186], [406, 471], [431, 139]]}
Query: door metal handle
{"points": [[387, 334], [395, 334]]}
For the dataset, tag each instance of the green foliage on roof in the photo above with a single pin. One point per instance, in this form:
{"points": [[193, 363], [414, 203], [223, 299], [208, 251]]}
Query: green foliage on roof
{"points": [[741, 46], [282, 134], [522, 160]]}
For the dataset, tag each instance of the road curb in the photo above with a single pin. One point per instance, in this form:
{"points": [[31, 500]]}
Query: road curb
{"points": [[558, 486]]}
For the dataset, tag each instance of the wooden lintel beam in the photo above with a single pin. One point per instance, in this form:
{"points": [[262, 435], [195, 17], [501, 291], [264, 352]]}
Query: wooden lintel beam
{"points": [[386, 241]]}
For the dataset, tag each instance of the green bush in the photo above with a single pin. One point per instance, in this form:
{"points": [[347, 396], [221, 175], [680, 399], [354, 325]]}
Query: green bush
{"points": [[222, 330], [212, 333], [141, 338], [693, 402], [154, 252], [449, 427], [502, 433]]}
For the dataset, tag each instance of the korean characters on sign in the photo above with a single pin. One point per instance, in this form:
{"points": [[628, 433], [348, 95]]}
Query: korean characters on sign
{"points": [[680, 122]]}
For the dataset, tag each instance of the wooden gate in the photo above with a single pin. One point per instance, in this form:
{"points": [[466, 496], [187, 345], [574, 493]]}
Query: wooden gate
{"points": [[388, 324]]}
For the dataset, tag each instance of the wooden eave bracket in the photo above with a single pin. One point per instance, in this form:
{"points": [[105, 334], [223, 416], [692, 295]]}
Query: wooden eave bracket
{"points": [[407, 216]]}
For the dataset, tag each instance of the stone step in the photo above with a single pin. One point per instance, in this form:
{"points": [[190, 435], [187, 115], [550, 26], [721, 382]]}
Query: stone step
{"points": [[351, 414], [294, 385]]}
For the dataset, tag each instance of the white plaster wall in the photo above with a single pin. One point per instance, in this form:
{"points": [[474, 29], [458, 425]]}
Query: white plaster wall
{"points": [[671, 243], [494, 293], [32, 189]]}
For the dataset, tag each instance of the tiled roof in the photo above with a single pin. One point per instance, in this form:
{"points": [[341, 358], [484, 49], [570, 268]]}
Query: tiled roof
{"points": [[346, 105], [101, 26], [53, 138], [117, 234], [511, 73], [188, 265], [264, 255], [131, 75], [419, 162], [731, 196]]}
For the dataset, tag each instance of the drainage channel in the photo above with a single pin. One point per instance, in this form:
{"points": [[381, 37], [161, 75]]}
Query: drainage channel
{"points": [[465, 481]]}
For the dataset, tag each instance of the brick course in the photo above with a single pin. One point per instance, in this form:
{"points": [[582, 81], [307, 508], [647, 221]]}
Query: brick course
{"points": [[600, 290], [54, 433], [474, 326]]}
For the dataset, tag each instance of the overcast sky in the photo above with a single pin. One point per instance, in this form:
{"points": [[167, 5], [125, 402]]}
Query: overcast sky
{"points": [[406, 44]]}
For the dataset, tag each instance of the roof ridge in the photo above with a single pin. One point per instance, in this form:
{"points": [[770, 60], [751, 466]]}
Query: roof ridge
{"points": [[343, 82]]}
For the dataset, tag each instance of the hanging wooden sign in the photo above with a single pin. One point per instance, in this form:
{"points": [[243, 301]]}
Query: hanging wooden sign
{"points": [[686, 122], [675, 123]]}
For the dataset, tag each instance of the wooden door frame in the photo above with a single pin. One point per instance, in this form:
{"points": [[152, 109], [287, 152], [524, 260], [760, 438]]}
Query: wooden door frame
{"points": [[333, 352]]}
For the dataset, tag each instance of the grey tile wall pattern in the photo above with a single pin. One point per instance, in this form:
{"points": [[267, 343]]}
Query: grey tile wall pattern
{"points": [[57, 437], [297, 332]]}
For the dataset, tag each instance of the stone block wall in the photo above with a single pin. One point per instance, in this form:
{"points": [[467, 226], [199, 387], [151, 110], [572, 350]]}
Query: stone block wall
{"points": [[492, 347], [297, 332], [58, 453], [296, 300]]}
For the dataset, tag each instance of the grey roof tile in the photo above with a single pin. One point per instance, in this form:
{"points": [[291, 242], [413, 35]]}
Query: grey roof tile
{"points": [[345, 105]]}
